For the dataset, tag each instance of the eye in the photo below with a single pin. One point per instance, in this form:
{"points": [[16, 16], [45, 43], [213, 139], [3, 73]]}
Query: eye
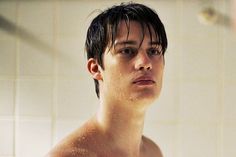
{"points": [[128, 51], [154, 52]]}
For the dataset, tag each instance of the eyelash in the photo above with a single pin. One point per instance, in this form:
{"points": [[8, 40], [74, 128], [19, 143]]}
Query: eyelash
{"points": [[157, 51], [133, 51]]}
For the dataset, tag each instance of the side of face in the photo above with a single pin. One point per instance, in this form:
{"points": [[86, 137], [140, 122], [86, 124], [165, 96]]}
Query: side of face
{"points": [[133, 67]]}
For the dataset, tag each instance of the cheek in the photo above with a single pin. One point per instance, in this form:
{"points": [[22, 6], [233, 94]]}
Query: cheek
{"points": [[159, 72], [112, 75], [159, 64]]}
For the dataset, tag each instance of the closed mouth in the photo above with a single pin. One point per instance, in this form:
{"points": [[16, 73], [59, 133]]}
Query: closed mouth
{"points": [[144, 80]]}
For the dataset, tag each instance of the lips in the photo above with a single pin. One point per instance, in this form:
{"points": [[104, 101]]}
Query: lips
{"points": [[144, 80]]}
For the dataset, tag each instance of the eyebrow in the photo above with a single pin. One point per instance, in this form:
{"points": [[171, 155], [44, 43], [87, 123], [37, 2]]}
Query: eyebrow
{"points": [[132, 42], [126, 42]]}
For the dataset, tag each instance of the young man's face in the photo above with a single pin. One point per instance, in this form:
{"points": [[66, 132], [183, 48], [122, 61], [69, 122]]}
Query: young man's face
{"points": [[132, 72]]}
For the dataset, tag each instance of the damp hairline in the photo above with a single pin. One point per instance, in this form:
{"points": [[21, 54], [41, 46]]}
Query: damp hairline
{"points": [[112, 32]]}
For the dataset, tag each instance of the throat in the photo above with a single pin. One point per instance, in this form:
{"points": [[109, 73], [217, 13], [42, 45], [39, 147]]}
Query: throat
{"points": [[122, 127]]}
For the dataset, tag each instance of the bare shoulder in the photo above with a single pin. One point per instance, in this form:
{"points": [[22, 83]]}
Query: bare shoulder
{"points": [[77, 144], [71, 152], [71, 147], [151, 147]]}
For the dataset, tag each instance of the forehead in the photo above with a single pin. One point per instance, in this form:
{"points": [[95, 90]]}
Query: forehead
{"points": [[134, 29]]}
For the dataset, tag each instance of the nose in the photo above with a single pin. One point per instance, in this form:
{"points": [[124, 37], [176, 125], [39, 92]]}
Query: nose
{"points": [[143, 62]]}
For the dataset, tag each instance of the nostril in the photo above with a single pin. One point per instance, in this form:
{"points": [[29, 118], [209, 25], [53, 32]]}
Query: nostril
{"points": [[141, 68], [144, 67]]}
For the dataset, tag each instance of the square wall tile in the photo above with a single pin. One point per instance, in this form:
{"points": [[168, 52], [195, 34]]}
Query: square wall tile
{"points": [[76, 99], [200, 102], [74, 15], [200, 58], [229, 138], [164, 135], [65, 127], [191, 24], [8, 9], [7, 137], [173, 59], [166, 107], [35, 98], [229, 107], [225, 8], [8, 57], [72, 59], [229, 55], [30, 15], [8, 15], [169, 13], [33, 138], [196, 140], [36, 56], [70, 17], [7, 97]]}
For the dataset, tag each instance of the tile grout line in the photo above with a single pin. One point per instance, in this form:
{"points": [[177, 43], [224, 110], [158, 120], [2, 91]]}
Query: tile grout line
{"points": [[55, 73], [221, 47], [16, 90], [179, 153]]}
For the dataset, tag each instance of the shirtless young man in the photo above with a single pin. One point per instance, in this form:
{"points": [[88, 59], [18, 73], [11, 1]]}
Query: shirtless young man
{"points": [[125, 46]]}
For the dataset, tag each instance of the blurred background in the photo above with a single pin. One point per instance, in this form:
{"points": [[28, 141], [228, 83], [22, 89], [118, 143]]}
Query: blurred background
{"points": [[46, 91]]}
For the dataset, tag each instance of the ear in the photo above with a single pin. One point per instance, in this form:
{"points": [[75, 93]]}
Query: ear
{"points": [[94, 69]]}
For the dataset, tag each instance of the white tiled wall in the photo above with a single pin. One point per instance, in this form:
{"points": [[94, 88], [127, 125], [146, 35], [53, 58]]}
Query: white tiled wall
{"points": [[45, 91], [36, 16], [33, 137], [34, 97], [34, 60], [7, 96], [7, 143], [197, 140], [8, 57], [199, 101]]}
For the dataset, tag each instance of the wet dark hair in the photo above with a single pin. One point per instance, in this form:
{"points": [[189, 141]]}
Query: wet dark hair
{"points": [[103, 29]]}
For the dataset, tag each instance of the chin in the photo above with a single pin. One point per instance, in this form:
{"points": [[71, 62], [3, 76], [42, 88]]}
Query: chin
{"points": [[145, 97]]}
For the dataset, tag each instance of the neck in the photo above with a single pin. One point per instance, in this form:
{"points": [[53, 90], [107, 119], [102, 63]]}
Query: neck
{"points": [[123, 125]]}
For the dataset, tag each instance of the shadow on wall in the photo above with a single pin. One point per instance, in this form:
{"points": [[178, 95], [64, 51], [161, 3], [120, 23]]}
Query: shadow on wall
{"points": [[27, 36]]}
